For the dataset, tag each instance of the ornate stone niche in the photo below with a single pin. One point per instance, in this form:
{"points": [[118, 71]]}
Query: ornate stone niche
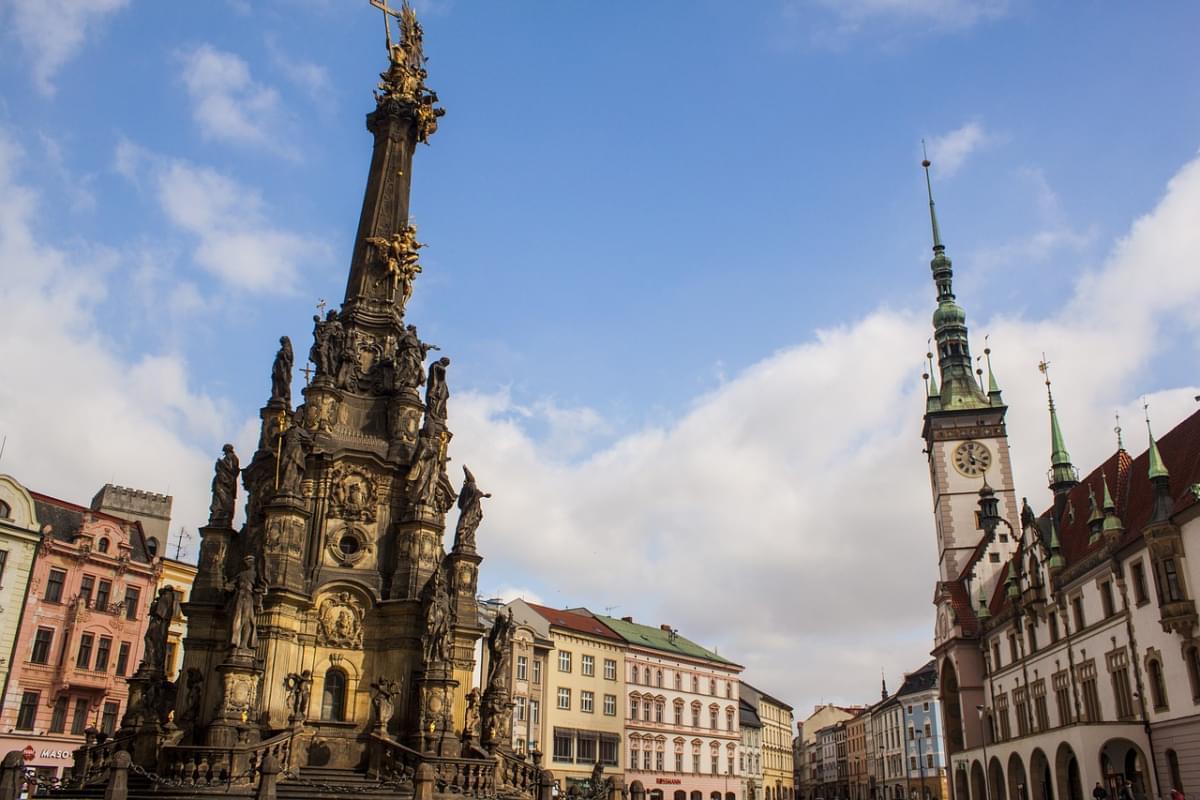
{"points": [[340, 621], [353, 493], [349, 546]]}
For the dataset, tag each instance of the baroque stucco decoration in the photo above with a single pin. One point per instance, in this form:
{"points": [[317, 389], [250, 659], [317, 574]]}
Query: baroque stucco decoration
{"points": [[339, 622]]}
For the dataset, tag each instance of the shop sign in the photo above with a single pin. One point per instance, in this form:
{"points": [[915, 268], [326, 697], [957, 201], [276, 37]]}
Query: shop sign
{"points": [[669, 780], [28, 753]]}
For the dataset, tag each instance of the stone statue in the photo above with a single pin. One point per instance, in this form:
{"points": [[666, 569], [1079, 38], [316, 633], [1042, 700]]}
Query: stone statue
{"points": [[162, 613], [291, 459], [401, 262], [471, 721], [244, 607], [411, 353], [436, 391], [435, 643], [500, 651], [599, 787], [349, 363], [383, 699], [224, 489], [281, 373], [299, 688], [470, 511], [429, 461], [327, 344], [195, 691]]}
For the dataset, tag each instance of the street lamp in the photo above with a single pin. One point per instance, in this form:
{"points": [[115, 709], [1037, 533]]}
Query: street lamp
{"points": [[921, 763], [987, 768]]}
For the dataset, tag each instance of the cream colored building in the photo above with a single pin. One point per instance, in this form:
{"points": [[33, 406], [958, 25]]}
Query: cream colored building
{"points": [[777, 754], [179, 576], [579, 689], [19, 538], [810, 768]]}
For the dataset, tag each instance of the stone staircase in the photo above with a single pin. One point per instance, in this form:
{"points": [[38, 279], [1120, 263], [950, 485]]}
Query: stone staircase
{"points": [[312, 782]]}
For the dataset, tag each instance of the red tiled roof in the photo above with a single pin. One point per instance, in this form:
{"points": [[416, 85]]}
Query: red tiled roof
{"points": [[580, 623], [1132, 493], [960, 600]]}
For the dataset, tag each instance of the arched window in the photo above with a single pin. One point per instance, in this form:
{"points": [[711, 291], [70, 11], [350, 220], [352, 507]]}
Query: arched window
{"points": [[152, 546], [1192, 656], [5, 510], [333, 696], [1173, 766], [658, 678], [1158, 687], [102, 545], [646, 675]]}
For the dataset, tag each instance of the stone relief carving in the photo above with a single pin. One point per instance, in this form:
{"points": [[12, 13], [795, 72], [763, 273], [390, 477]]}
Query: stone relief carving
{"points": [[285, 536], [339, 622], [353, 494], [322, 412]]}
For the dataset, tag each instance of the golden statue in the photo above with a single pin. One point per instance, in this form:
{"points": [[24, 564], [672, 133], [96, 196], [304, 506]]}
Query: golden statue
{"points": [[401, 261]]}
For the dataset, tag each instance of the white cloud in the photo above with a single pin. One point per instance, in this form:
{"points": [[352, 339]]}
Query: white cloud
{"points": [[230, 222], [77, 413], [53, 31], [786, 517], [950, 151], [939, 14], [228, 104]]}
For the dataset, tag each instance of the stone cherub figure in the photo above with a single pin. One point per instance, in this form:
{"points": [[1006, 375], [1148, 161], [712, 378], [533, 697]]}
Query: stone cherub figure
{"points": [[383, 699], [244, 606], [470, 511], [281, 373], [224, 488]]}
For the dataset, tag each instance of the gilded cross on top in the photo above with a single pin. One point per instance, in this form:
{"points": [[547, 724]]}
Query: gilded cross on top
{"points": [[387, 12]]}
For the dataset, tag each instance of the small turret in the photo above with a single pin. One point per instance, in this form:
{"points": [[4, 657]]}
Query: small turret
{"points": [[1095, 517], [1112, 527], [1057, 562], [1160, 478], [1063, 476]]}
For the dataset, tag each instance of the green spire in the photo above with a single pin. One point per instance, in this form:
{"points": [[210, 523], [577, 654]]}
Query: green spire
{"points": [[1062, 473], [1112, 523], [1056, 559], [1157, 468], [959, 387]]}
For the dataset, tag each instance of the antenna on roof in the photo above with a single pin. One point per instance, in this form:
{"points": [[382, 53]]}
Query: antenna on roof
{"points": [[4, 441], [183, 536], [609, 609], [1117, 431]]}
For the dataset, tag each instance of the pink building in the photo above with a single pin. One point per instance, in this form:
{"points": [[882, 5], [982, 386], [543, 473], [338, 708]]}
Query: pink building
{"points": [[80, 633]]}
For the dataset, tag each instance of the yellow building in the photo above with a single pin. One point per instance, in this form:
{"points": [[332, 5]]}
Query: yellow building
{"points": [[582, 681], [179, 576], [777, 761]]}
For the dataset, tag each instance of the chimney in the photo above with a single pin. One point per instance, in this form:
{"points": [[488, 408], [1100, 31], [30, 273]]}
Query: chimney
{"points": [[627, 619], [666, 628]]}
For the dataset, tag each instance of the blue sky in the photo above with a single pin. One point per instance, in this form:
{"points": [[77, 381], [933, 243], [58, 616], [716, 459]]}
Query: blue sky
{"points": [[668, 244]]}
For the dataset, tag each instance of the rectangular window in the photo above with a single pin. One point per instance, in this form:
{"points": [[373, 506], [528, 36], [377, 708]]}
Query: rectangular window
{"points": [[169, 659], [1038, 690], [633, 709], [696, 763], [610, 669], [678, 686], [1062, 697], [27, 712], [1106, 599], [1002, 717], [1118, 670], [679, 713], [587, 702], [587, 665], [1086, 675], [929, 759], [658, 712], [995, 654], [535, 712], [108, 722], [695, 688], [1052, 620], [610, 705], [608, 752], [122, 659], [695, 716], [83, 659], [1012, 651], [658, 761], [585, 752], [522, 667], [58, 719], [716, 764], [79, 718], [102, 653], [132, 597], [1140, 595], [564, 661], [103, 590], [1032, 636], [564, 697], [86, 587], [1077, 610], [54, 586], [520, 709], [42, 641], [564, 746], [537, 672], [679, 762], [1173, 592], [730, 765], [1021, 702], [712, 718]]}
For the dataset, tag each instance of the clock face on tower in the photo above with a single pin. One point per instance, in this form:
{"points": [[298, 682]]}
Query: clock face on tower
{"points": [[972, 459]]}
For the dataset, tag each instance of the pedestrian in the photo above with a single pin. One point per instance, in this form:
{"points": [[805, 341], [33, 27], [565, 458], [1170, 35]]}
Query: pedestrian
{"points": [[1126, 790], [1176, 794], [1099, 793]]}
